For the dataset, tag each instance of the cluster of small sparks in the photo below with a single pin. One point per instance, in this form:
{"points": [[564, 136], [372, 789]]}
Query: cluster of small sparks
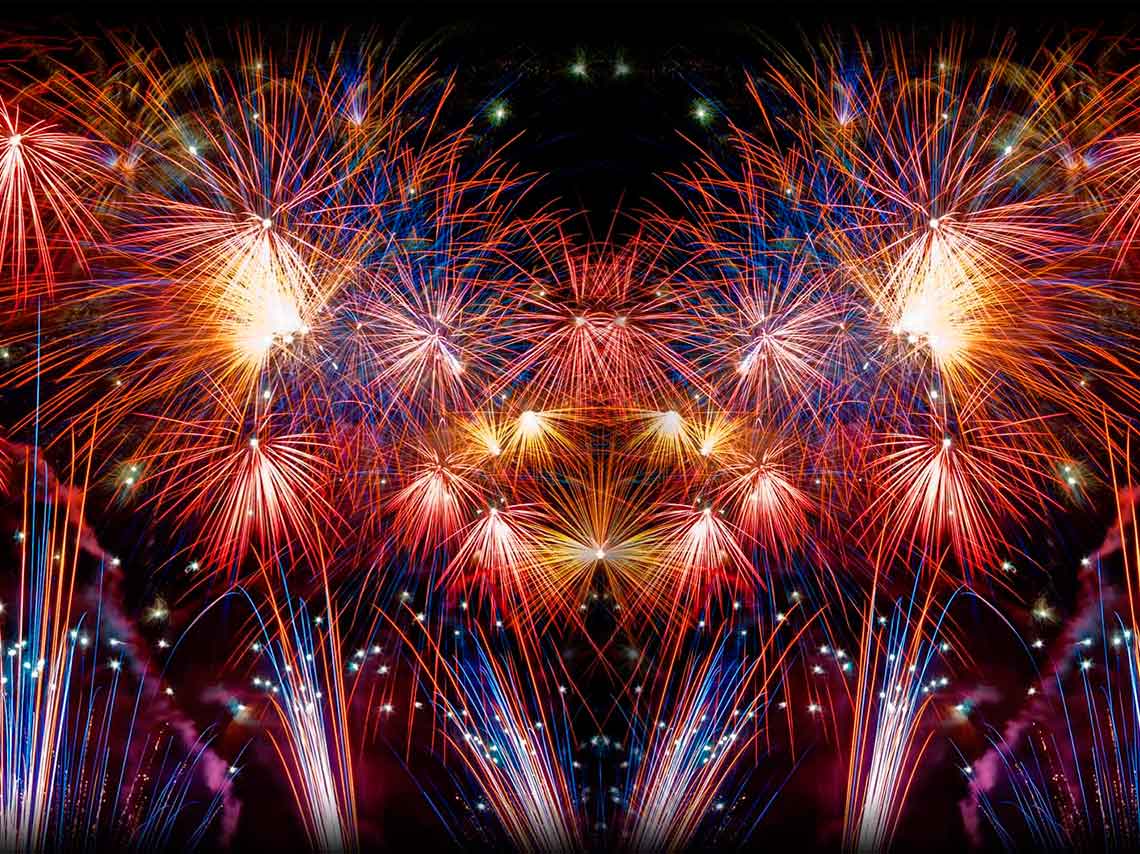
{"points": [[882, 336]]}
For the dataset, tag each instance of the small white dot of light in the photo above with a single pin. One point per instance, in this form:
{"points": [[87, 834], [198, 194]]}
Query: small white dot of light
{"points": [[1084, 561]]}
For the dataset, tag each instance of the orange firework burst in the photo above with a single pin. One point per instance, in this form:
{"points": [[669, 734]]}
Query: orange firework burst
{"points": [[763, 485], [259, 489], [938, 490], [48, 178], [600, 327], [437, 500]]}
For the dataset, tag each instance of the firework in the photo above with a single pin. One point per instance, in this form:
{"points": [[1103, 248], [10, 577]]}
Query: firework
{"points": [[317, 333], [48, 182], [308, 700], [896, 691], [692, 734], [63, 704], [511, 731]]}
